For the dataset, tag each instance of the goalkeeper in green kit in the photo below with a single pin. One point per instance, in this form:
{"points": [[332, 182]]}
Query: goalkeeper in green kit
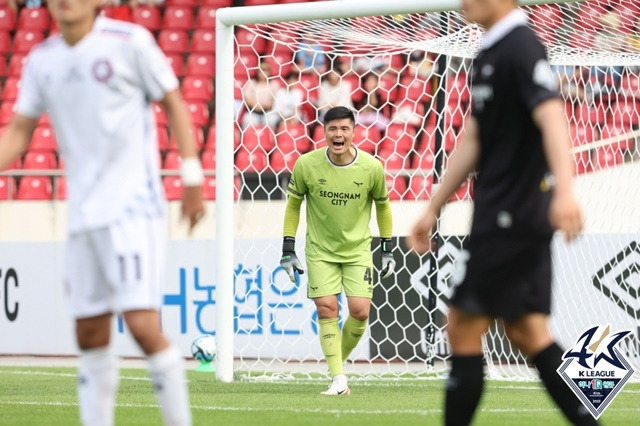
{"points": [[340, 183]]}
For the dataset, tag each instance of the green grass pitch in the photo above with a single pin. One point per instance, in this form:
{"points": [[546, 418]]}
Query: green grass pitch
{"points": [[46, 395]]}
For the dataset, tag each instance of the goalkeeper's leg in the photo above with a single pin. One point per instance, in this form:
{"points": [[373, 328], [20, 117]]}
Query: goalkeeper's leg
{"points": [[358, 286]]}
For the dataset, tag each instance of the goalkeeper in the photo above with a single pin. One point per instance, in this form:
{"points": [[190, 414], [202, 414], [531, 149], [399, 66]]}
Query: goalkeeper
{"points": [[340, 183]]}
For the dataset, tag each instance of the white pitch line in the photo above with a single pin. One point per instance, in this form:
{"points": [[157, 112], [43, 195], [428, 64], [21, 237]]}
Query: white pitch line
{"points": [[48, 373], [306, 411]]}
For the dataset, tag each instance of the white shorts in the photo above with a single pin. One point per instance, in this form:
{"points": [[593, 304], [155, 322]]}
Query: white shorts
{"points": [[115, 269]]}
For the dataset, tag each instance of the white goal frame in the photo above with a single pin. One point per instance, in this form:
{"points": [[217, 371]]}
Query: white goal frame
{"points": [[226, 20]]}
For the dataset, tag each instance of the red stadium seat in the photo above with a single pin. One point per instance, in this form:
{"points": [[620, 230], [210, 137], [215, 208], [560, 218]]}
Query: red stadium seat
{"points": [[35, 188], [283, 161], [388, 88], [201, 65], [7, 19], [189, 3], [392, 160], [162, 138], [625, 112], [415, 88], [208, 159], [160, 115], [173, 41], [628, 12], [206, 18], [16, 63], [197, 88], [630, 85], [589, 16], [248, 39], [423, 160], [199, 112], [582, 39], [43, 140], [399, 138], [293, 137], [247, 65], [367, 138], [311, 82], [259, 2], [172, 187], [258, 136], [217, 3], [465, 192], [7, 187], [397, 186], [203, 41], [11, 87], [173, 145], [7, 109], [420, 187], [172, 161], [255, 161], [34, 18], [210, 143], [581, 134], [24, 40], [40, 161], [5, 42], [608, 158], [175, 59], [147, 16], [178, 18], [546, 16], [280, 62], [617, 132], [458, 88], [60, 188], [209, 188]]}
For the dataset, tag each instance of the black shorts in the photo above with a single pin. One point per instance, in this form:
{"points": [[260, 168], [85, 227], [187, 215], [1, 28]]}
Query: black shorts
{"points": [[505, 277]]}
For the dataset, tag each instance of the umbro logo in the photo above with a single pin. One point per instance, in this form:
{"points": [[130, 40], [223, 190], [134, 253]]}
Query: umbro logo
{"points": [[322, 181], [358, 184]]}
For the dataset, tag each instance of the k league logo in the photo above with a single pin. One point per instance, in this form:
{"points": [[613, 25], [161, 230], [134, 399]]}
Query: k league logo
{"points": [[594, 369]]}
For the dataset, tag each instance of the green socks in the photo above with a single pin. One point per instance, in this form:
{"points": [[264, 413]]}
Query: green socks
{"points": [[352, 331], [330, 337]]}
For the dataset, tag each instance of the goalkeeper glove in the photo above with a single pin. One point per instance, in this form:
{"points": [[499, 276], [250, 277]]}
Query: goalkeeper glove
{"points": [[388, 263], [289, 261]]}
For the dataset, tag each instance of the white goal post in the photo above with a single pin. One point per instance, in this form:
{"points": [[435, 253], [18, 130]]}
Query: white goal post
{"points": [[455, 222]]}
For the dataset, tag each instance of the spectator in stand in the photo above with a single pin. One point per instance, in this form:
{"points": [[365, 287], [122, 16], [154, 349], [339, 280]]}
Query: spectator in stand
{"points": [[290, 97], [369, 108], [310, 55], [571, 82], [259, 96], [333, 92], [420, 65]]}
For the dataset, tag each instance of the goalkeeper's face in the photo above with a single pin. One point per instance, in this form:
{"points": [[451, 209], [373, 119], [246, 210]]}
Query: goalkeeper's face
{"points": [[339, 135]]}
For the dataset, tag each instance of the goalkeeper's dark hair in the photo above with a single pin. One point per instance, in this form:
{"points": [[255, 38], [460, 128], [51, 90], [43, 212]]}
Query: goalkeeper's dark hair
{"points": [[338, 113]]}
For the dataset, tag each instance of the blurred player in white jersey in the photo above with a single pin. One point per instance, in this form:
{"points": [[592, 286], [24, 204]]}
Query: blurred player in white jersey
{"points": [[96, 80]]}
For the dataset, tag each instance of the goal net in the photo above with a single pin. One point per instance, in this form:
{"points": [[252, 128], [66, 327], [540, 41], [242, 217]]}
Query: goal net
{"points": [[407, 78]]}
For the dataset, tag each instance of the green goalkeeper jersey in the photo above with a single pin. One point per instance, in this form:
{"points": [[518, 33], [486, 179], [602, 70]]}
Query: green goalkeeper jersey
{"points": [[339, 202]]}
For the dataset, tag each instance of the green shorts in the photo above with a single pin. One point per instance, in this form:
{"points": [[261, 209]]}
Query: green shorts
{"points": [[327, 278]]}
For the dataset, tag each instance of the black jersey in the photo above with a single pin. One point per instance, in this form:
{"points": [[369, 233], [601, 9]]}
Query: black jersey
{"points": [[512, 191]]}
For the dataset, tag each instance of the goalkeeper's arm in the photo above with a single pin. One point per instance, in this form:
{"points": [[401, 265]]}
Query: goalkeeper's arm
{"points": [[385, 223], [289, 261]]}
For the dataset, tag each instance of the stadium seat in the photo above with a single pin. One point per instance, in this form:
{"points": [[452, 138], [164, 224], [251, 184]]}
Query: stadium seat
{"points": [[173, 145], [11, 87], [392, 161], [201, 65], [162, 138], [16, 63], [7, 19], [367, 138], [5, 42], [7, 110], [546, 16], [173, 41], [259, 2], [399, 138], [247, 39], [397, 186], [199, 112], [147, 16], [172, 187], [217, 3], [34, 18], [203, 41], [280, 62], [387, 89], [625, 112], [420, 187], [589, 16], [35, 188], [311, 82], [608, 157], [628, 12], [172, 161], [24, 40], [177, 64], [208, 159], [293, 137], [619, 132], [188, 3], [423, 160], [414, 88], [206, 18], [281, 161], [247, 65], [197, 88], [209, 188], [581, 134], [178, 18], [465, 192], [210, 142], [7, 187], [582, 163], [40, 161], [255, 161], [458, 88], [160, 115], [60, 190], [44, 120], [258, 136], [43, 140]]}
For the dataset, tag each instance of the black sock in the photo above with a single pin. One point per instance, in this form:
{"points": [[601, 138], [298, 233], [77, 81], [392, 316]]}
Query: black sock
{"points": [[464, 388], [547, 362]]}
